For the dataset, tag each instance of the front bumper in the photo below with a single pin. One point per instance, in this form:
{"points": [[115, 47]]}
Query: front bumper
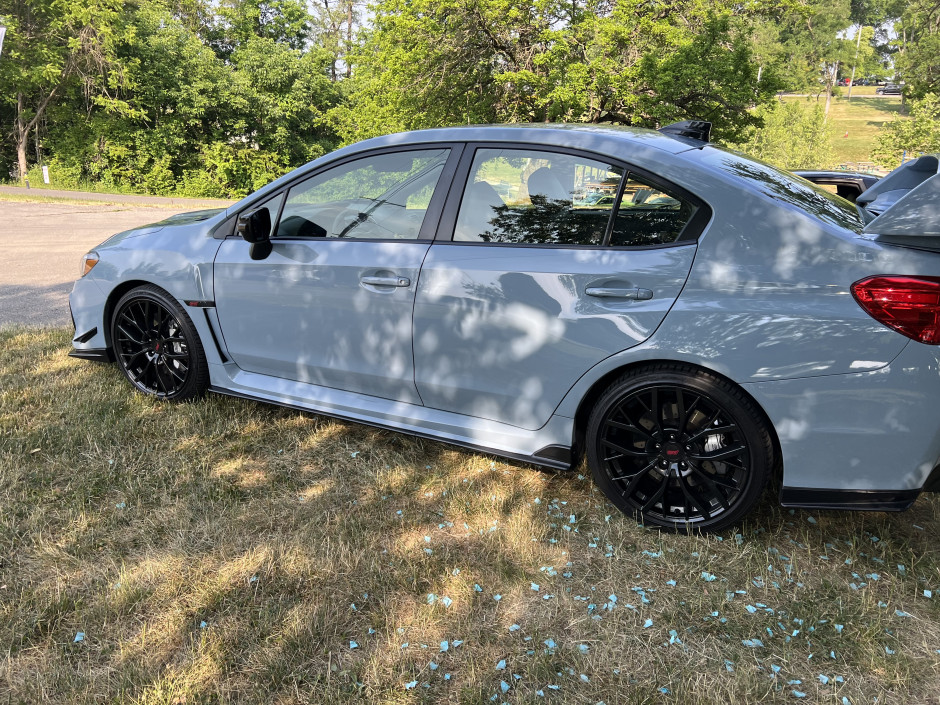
{"points": [[87, 305]]}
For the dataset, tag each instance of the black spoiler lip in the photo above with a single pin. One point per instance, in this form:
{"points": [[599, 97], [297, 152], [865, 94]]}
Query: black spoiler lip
{"points": [[902, 209]]}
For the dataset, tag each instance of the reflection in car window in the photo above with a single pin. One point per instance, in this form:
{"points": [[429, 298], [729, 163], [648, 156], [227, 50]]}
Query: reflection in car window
{"points": [[526, 196], [384, 196], [784, 186], [649, 215]]}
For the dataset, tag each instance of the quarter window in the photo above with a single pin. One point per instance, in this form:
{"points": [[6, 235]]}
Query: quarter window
{"points": [[649, 215], [384, 196], [533, 197]]}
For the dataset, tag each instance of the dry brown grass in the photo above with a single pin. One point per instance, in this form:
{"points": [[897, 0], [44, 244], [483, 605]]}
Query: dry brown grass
{"points": [[226, 551]]}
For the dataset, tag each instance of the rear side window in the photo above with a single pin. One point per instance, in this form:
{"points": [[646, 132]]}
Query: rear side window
{"points": [[649, 215], [523, 196]]}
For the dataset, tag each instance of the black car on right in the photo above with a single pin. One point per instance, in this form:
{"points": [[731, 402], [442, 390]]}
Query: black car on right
{"points": [[848, 184], [889, 89]]}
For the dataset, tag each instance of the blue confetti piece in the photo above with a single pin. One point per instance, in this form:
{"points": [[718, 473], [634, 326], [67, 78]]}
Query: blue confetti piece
{"points": [[353, 645], [501, 665], [79, 636], [798, 694], [411, 685], [433, 666], [432, 598], [889, 651], [708, 577], [648, 623], [752, 643], [534, 587], [583, 648], [729, 666], [839, 628], [120, 505], [550, 643], [664, 690], [354, 454], [504, 687], [823, 679], [446, 601], [811, 520], [671, 582], [846, 701], [514, 628], [901, 613], [253, 579], [585, 679], [477, 588], [444, 646], [775, 668], [457, 642], [497, 597], [750, 608], [203, 625]]}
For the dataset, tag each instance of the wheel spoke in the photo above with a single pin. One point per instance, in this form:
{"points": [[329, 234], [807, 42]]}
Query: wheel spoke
{"points": [[635, 479], [656, 495], [696, 503], [708, 429], [688, 414], [720, 454], [624, 451], [629, 426], [169, 368], [712, 487]]}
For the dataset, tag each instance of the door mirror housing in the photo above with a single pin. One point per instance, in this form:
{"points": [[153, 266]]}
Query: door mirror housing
{"points": [[255, 228]]}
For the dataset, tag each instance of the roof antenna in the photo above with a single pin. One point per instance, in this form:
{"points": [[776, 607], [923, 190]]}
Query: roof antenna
{"points": [[694, 129]]}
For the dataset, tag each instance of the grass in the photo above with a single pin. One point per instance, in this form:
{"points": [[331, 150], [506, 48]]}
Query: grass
{"points": [[227, 551], [857, 122]]}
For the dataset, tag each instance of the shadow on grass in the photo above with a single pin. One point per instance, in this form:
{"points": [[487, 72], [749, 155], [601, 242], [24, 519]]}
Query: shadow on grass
{"points": [[231, 551]]}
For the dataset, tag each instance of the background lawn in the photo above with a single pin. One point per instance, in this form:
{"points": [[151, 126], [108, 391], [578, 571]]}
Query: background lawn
{"points": [[228, 551], [860, 119]]}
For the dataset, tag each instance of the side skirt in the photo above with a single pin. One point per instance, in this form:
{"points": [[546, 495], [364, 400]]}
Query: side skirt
{"points": [[863, 500], [537, 459]]}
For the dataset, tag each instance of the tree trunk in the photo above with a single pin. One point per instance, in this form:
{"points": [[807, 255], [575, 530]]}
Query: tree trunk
{"points": [[21, 136]]}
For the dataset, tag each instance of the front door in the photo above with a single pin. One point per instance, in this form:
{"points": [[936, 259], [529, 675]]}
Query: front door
{"points": [[332, 303]]}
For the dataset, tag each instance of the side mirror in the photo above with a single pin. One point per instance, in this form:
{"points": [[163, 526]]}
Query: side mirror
{"points": [[255, 228]]}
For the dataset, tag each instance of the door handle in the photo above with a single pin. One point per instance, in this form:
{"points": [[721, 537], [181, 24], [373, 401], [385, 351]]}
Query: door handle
{"points": [[603, 292], [386, 281]]}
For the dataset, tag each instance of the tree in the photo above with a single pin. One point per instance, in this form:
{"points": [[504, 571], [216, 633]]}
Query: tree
{"points": [[634, 62], [918, 62], [795, 135], [917, 135], [51, 46]]}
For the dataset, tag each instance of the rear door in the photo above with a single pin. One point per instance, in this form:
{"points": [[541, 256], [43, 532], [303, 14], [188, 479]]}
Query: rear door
{"points": [[546, 262]]}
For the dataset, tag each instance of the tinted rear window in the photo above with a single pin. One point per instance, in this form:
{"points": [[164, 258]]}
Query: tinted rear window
{"points": [[786, 187]]}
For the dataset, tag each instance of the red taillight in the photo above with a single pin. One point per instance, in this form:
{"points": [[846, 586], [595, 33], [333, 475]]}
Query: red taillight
{"points": [[910, 305]]}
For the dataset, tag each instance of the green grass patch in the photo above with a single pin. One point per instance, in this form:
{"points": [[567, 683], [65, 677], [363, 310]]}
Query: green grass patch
{"points": [[228, 551], [857, 122]]}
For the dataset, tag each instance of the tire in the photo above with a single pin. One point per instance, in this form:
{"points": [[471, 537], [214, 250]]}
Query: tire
{"points": [[700, 463], [156, 345]]}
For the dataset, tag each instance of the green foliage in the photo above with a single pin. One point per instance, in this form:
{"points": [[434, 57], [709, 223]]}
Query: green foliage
{"points": [[918, 135], [794, 136], [431, 63]]}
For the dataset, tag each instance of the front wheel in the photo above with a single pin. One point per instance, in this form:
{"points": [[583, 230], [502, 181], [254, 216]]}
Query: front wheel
{"points": [[156, 345], [680, 448]]}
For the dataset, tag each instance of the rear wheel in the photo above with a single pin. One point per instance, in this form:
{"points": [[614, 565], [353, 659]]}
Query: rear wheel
{"points": [[680, 448], [156, 345]]}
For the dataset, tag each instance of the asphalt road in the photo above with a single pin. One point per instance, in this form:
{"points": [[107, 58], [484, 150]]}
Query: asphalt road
{"points": [[42, 245]]}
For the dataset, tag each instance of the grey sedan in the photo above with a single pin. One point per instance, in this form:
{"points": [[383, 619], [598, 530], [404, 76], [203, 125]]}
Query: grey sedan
{"points": [[707, 324]]}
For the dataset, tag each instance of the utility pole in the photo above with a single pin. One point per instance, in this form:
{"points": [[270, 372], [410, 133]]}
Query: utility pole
{"points": [[858, 43]]}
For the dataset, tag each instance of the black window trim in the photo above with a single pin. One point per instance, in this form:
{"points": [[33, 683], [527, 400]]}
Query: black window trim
{"points": [[431, 217], [689, 234]]}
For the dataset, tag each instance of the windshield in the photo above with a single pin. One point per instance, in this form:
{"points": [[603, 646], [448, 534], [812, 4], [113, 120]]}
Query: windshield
{"points": [[789, 188]]}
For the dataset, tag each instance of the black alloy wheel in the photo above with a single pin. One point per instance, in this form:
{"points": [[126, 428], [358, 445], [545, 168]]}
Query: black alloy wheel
{"points": [[156, 345], [680, 448]]}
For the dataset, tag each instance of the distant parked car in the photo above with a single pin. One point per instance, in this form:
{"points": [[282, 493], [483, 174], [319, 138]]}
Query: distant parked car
{"points": [[848, 184], [889, 89], [721, 322]]}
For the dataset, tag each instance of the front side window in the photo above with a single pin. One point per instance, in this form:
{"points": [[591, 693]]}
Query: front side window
{"points": [[523, 196], [649, 215], [383, 196]]}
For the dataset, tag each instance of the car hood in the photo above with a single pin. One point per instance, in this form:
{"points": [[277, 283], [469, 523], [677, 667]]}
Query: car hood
{"points": [[187, 218]]}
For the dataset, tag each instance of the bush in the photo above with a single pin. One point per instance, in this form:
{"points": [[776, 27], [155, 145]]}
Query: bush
{"points": [[794, 136], [916, 135]]}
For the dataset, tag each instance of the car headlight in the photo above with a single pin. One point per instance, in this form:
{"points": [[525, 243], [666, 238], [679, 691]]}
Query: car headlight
{"points": [[88, 263]]}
